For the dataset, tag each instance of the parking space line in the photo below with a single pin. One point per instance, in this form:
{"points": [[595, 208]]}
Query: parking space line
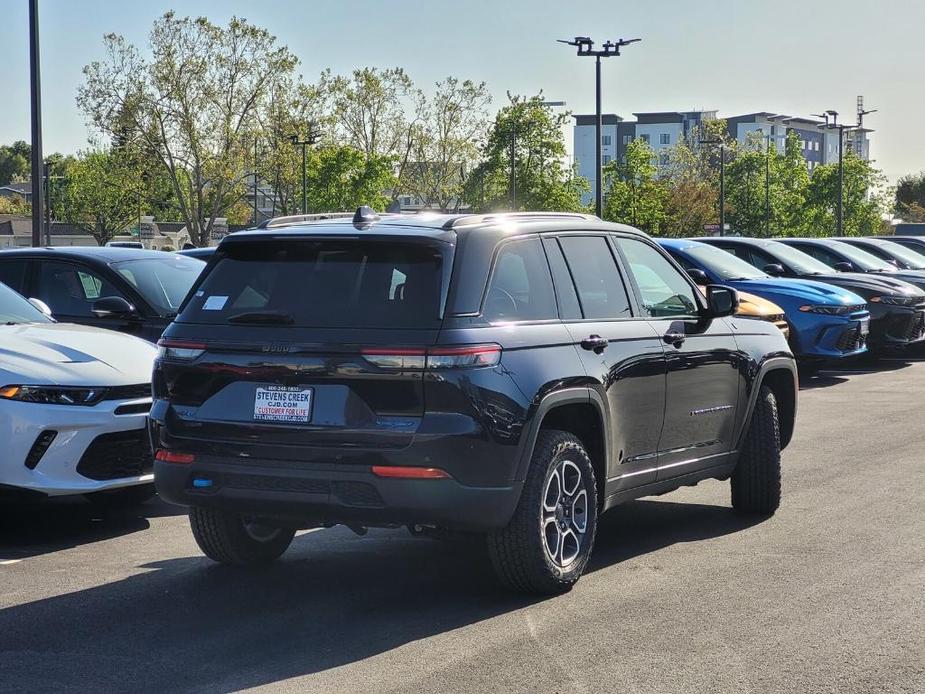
{"points": [[6, 562]]}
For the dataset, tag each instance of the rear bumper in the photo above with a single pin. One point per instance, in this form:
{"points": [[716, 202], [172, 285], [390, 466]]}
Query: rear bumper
{"points": [[317, 494]]}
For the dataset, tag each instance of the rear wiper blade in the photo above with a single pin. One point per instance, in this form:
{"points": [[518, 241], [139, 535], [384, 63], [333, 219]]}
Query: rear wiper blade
{"points": [[271, 317]]}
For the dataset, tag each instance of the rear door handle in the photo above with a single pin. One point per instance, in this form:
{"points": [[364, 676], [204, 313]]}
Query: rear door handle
{"points": [[595, 343], [673, 338]]}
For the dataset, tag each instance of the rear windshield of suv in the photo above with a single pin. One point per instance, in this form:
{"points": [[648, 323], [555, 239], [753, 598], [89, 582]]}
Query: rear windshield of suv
{"points": [[323, 283]]}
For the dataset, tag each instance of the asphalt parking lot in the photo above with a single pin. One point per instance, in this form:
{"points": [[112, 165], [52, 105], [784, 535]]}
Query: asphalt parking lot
{"points": [[681, 595]]}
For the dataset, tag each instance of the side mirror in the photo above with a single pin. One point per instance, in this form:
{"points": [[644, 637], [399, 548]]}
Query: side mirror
{"points": [[774, 269], [41, 306], [698, 275], [723, 301], [113, 307], [894, 263], [844, 267]]}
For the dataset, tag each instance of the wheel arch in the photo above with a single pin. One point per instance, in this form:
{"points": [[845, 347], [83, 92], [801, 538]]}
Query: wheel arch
{"points": [[780, 375], [579, 411]]}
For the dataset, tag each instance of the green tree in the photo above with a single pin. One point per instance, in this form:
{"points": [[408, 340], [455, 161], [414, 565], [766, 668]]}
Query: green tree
{"points": [[102, 193], [634, 195], [910, 198], [543, 182], [863, 203], [445, 145], [192, 102], [341, 177], [745, 189], [14, 162], [691, 190], [789, 184]]}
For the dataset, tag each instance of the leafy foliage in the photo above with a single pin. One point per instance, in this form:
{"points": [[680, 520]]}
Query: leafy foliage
{"points": [[542, 180]]}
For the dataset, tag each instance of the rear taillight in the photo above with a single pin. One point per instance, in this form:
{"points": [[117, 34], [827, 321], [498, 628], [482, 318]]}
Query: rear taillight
{"points": [[416, 359], [181, 350], [166, 456]]}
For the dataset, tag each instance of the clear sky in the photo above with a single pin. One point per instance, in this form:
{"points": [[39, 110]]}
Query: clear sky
{"points": [[788, 56]]}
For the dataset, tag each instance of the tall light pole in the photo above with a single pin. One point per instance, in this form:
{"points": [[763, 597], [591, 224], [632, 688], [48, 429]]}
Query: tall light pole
{"points": [[37, 160], [722, 181], [585, 47], [312, 137]]}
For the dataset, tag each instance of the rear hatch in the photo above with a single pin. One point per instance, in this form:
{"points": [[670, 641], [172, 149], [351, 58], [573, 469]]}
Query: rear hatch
{"points": [[315, 341]]}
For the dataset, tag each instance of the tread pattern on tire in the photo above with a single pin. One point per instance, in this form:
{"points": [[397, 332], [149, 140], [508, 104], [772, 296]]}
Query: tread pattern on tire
{"points": [[222, 537], [517, 553], [756, 480]]}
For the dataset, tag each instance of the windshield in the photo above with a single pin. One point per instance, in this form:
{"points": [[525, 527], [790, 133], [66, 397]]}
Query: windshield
{"points": [[325, 283], [163, 282], [800, 262], [723, 264], [862, 260], [908, 257], [14, 309]]}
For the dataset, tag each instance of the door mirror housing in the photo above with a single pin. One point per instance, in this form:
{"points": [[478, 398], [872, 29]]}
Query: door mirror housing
{"points": [[774, 269], [113, 307], [844, 266], [41, 306], [699, 276], [722, 301]]}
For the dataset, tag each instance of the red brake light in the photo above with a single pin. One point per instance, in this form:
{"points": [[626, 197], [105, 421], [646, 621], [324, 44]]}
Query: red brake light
{"points": [[463, 357], [179, 349], [166, 456], [410, 473], [416, 358]]}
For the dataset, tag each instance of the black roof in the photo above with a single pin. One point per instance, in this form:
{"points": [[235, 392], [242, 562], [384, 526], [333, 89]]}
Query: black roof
{"points": [[439, 226], [101, 254]]}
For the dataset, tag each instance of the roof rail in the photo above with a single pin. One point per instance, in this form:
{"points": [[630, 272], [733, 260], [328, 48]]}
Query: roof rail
{"points": [[472, 219], [289, 220]]}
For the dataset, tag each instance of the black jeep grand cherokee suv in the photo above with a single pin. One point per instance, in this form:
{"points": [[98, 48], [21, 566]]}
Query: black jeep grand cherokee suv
{"points": [[511, 375]]}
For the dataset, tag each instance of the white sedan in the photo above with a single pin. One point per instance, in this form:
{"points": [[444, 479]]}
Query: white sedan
{"points": [[73, 404]]}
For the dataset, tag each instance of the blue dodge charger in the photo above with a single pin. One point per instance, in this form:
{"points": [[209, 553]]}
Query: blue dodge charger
{"points": [[826, 322]]}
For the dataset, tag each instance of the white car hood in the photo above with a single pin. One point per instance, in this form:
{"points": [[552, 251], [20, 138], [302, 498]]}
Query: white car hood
{"points": [[72, 355]]}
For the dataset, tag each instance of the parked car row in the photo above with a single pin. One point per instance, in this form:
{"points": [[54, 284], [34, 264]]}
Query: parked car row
{"points": [[507, 376], [839, 300]]}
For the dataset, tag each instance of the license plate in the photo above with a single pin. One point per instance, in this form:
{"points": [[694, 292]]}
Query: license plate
{"points": [[864, 327], [292, 404]]}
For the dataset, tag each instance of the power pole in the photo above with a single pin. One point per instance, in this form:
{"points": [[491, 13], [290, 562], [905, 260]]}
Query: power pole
{"points": [[722, 181], [312, 137], [585, 47], [513, 183], [38, 201], [767, 188]]}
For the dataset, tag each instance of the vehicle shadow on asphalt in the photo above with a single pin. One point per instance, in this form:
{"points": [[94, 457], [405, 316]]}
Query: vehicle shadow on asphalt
{"points": [[186, 624], [33, 528]]}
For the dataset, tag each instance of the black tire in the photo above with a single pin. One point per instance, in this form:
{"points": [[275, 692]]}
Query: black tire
{"points": [[519, 552], [756, 479], [229, 538], [126, 497]]}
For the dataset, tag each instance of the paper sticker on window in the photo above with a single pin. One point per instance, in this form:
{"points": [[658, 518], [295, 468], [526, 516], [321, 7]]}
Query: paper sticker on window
{"points": [[214, 303]]}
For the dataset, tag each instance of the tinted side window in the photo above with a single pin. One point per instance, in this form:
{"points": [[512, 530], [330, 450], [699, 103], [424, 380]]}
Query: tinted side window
{"points": [[71, 290], [664, 290], [520, 287], [821, 254], [600, 288], [13, 275], [760, 259], [569, 308], [740, 252]]}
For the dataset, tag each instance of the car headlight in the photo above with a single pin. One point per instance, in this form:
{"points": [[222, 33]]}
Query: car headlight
{"points": [[53, 395], [896, 300], [831, 310]]}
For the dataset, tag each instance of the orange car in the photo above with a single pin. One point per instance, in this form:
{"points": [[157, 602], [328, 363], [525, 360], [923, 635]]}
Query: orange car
{"points": [[751, 306]]}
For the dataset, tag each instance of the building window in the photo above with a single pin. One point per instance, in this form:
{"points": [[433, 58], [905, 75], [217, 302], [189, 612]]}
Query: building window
{"points": [[627, 139], [664, 139], [645, 138], [606, 159], [605, 140]]}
